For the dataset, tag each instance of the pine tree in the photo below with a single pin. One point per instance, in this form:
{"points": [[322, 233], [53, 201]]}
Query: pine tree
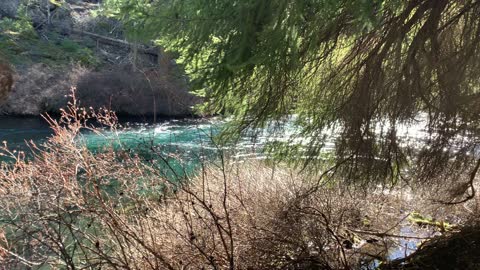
{"points": [[362, 67]]}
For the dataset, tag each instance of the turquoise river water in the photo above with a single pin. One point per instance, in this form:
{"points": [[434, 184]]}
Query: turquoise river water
{"points": [[188, 140]]}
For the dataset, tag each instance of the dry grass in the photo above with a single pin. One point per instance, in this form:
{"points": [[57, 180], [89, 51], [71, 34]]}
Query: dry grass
{"points": [[69, 208]]}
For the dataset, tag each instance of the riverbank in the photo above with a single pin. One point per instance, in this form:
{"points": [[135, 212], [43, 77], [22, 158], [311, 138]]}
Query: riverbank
{"points": [[122, 208], [72, 45]]}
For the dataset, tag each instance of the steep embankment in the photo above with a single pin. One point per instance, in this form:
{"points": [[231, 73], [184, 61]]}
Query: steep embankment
{"points": [[56, 45]]}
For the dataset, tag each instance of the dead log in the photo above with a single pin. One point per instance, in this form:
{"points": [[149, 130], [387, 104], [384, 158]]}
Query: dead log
{"points": [[154, 51]]}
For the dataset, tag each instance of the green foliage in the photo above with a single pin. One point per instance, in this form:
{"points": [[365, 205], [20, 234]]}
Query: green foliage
{"points": [[361, 68], [15, 35], [20, 44], [78, 52], [21, 28]]}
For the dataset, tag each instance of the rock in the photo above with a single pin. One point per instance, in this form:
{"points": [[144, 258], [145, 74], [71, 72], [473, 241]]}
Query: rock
{"points": [[457, 250], [41, 89], [145, 92], [38, 86], [46, 15], [9, 8]]}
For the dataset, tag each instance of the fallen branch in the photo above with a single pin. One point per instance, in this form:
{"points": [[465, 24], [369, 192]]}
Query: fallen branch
{"points": [[117, 42]]}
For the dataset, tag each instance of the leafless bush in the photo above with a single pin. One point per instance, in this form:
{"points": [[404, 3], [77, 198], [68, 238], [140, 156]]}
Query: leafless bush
{"points": [[69, 208]]}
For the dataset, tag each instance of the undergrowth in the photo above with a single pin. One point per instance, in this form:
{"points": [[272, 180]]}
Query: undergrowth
{"points": [[69, 208], [21, 44]]}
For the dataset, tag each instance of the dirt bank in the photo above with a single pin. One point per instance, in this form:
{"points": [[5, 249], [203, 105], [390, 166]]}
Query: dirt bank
{"points": [[53, 48]]}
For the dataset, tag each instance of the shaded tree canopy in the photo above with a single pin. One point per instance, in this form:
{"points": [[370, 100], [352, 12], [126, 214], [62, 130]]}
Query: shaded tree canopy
{"points": [[363, 67]]}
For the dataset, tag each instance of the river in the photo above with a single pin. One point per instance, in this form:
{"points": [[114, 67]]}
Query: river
{"points": [[17, 130], [135, 130], [188, 136], [189, 140]]}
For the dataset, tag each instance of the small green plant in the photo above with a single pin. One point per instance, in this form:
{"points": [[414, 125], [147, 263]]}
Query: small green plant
{"points": [[16, 36], [75, 51], [69, 45], [21, 27], [20, 44]]}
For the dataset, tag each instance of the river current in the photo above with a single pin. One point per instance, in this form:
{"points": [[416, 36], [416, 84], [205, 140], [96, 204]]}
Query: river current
{"points": [[188, 140]]}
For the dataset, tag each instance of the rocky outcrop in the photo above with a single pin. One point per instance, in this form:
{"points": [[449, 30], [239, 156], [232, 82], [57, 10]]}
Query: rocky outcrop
{"points": [[47, 16], [9, 8], [41, 89], [141, 92], [38, 86]]}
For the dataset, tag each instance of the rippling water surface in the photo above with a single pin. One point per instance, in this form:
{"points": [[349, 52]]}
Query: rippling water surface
{"points": [[136, 132], [187, 137], [17, 130], [182, 143]]}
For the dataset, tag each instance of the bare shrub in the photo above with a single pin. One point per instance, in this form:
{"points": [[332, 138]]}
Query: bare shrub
{"points": [[70, 208]]}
